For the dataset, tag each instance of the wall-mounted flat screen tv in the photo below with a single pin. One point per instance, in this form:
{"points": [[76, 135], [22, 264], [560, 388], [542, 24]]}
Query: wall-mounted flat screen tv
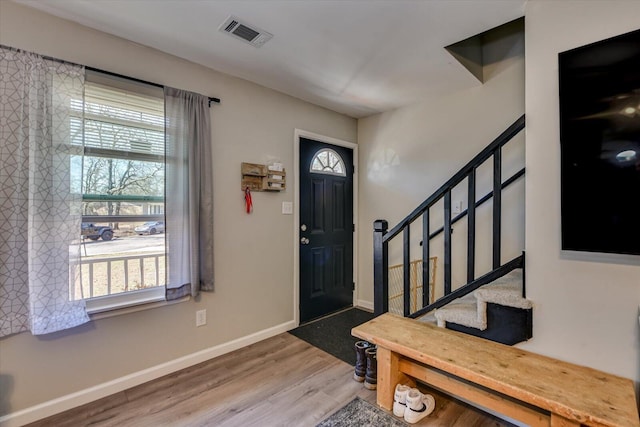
{"points": [[600, 146]]}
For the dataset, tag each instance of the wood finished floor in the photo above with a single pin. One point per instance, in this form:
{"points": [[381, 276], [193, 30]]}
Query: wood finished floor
{"points": [[282, 381]]}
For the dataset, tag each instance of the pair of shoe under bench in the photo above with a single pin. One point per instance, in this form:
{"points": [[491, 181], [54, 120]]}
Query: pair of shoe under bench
{"points": [[524, 386]]}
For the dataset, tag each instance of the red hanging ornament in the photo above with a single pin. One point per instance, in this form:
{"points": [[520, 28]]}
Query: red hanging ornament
{"points": [[248, 203]]}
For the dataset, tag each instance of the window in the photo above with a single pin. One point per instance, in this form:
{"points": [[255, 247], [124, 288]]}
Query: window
{"points": [[121, 178], [329, 162]]}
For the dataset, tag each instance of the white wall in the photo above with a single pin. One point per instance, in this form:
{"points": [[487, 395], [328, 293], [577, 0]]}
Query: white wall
{"points": [[253, 253], [586, 309], [406, 154]]}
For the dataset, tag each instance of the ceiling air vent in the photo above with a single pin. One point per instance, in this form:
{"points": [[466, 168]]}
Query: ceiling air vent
{"points": [[245, 32]]}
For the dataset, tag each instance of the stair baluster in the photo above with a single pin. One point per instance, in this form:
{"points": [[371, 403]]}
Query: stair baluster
{"points": [[380, 267]]}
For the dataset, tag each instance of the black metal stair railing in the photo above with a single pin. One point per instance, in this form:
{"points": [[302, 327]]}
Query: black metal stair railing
{"points": [[382, 236]]}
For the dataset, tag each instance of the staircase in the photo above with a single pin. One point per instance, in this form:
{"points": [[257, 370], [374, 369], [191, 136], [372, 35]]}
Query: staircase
{"points": [[493, 306], [496, 311]]}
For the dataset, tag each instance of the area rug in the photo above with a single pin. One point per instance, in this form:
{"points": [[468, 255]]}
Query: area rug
{"points": [[361, 413], [333, 333]]}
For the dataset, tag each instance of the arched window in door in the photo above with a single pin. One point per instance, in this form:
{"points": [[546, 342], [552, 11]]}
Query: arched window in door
{"points": [[328, 162]]}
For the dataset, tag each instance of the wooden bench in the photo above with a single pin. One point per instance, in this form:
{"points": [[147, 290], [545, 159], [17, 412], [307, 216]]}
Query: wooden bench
{"points": [[524, 386]]}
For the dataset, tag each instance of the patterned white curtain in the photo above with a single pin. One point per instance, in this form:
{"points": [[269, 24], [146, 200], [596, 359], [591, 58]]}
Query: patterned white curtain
{"points": [[39, 214]]}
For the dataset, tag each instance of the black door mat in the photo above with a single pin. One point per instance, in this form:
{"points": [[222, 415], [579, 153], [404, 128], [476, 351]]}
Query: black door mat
{"points": [[333, 333]]}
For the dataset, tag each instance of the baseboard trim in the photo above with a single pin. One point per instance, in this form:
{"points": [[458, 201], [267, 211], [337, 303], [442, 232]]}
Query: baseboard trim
{"points": [[368, 305], [64, 403]]}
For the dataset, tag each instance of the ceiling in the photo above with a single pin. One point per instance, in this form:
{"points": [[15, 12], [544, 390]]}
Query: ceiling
{"points": [[357, 57]]}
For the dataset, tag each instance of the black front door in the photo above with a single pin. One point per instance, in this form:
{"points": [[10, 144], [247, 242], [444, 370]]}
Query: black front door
{"points": [[326, 228]]}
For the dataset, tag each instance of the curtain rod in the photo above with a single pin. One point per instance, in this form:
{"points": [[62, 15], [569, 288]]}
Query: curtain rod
{"points": [[211, 99], [109, 73]]}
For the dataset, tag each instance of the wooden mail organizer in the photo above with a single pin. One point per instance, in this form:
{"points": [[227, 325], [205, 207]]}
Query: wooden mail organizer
{"points": [[257, 177], [528, 387]]}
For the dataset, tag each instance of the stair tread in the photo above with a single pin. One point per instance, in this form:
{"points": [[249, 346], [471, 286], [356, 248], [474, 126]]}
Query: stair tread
{"points": [[463, 313], [469, 298], [458, 306], [470, 310], [429, 318], [503, 297], [506, 290], [514, 275]]}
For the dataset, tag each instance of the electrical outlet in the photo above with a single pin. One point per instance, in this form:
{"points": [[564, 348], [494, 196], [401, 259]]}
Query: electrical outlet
{"points": [[201, 317]]}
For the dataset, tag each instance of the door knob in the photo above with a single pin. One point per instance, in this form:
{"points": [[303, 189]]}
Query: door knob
{"points": [[304, 241], [303, 227]]}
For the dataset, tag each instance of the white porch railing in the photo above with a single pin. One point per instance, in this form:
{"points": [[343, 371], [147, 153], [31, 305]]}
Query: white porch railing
{"points": [[112, 275]]}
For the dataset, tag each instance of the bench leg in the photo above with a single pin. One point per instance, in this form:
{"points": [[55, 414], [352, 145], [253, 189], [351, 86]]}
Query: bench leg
{"points": [[388, 376], [560, 421]]}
